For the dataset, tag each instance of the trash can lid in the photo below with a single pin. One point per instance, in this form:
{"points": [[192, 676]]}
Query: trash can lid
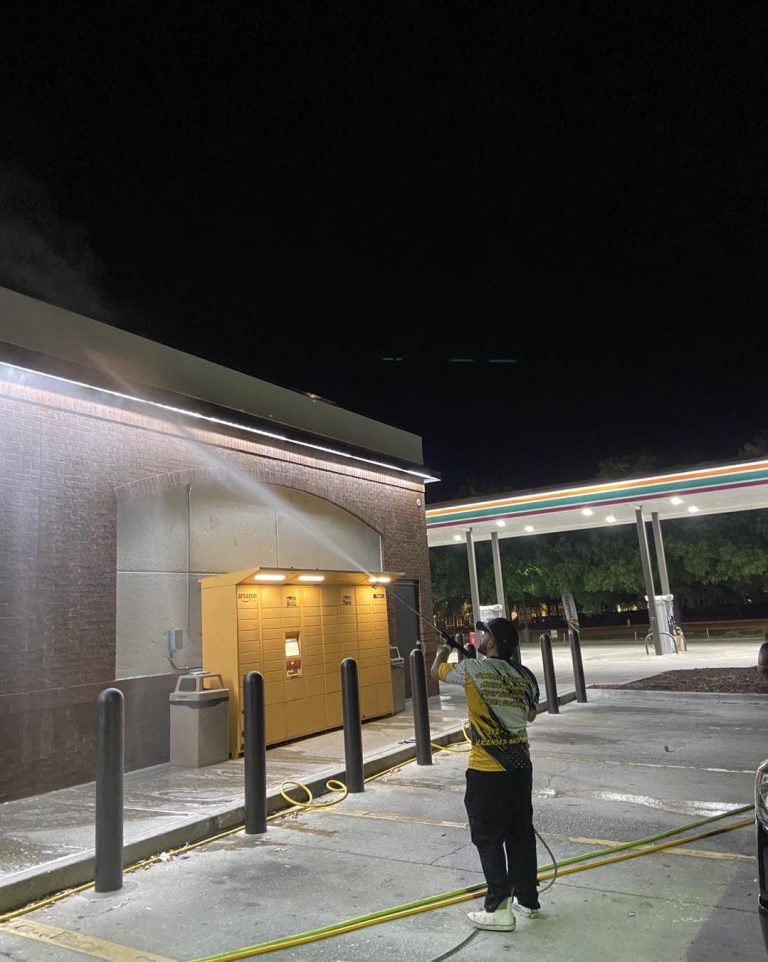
{"points": [[212, 697], [196, 681]]}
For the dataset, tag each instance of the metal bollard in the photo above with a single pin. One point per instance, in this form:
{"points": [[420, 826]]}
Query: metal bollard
{"points": [[108, 873], [762, 658], [578, 668], [550, 685], [255, 755], [420, 708], [353, 738]]}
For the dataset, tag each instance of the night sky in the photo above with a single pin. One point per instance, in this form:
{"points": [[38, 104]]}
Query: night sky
{"points": [[573, 199]]}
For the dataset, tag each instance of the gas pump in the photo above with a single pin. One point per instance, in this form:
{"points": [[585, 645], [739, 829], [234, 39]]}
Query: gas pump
{"points": [[665, 617]]}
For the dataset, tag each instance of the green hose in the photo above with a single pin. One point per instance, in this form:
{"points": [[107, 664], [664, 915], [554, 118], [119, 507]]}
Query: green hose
{"points": [[423, 905]]}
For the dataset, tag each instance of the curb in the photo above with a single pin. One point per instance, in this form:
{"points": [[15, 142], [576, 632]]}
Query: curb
{"points": [[30, 885], [71, 871]]}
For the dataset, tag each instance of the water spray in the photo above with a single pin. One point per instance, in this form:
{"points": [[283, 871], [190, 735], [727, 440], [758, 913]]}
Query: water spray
{"points": [[451, 640]]}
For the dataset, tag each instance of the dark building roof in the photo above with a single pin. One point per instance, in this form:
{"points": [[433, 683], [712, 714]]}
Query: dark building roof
{"points": [[51, 340]]}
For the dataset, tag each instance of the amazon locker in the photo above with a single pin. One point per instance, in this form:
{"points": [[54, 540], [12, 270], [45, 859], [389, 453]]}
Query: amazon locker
{"points": [[295, 628]]}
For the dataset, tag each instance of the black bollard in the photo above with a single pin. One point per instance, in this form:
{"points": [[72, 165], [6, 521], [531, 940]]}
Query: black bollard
{"points": [[109, 792], [578, 668], [420, 708], [255, 755], [550, 685], [353, 738], [762, 658]]}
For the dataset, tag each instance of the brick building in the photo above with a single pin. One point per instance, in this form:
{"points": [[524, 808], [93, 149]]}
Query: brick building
{"points": [[128, 470]]}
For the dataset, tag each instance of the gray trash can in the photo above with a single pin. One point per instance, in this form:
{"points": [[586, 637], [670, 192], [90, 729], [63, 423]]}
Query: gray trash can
{"points": [[199, 720], [398, 679]]}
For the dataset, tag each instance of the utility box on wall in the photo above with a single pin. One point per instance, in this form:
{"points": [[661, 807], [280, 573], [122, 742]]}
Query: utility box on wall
{"points": [[295, 628]]}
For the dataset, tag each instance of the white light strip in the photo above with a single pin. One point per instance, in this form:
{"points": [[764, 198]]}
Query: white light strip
{"points": [[426, 478], [311, 578], [269, 577]]}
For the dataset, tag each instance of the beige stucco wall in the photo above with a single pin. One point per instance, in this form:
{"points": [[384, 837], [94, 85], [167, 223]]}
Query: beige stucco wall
{"points": [[167, 540]]}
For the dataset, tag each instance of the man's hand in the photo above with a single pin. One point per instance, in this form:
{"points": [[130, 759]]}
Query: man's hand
{"points": [[454, 642], [441, 656]]}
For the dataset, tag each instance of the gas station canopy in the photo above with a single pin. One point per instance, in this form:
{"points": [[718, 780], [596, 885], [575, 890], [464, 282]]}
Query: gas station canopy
{"points": [[713, 489]]}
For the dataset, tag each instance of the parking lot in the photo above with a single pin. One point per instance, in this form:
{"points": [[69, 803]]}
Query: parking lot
{"points": [[626, 765]]}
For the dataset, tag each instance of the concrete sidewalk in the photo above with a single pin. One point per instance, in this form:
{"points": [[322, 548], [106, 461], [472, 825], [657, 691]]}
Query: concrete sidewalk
{"points": [[47, 840]]}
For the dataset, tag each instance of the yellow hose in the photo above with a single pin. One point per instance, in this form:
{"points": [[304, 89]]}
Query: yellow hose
{"points": [[451, 898], [424, 905], [333, 785], [462, 746]]}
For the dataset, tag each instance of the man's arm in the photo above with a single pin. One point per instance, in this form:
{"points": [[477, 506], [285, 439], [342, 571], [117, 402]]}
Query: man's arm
{"points": [[441, 656], [532, 715]]}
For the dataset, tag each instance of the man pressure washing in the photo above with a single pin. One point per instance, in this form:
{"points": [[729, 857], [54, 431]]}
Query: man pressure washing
{"points": [[502, 697]]}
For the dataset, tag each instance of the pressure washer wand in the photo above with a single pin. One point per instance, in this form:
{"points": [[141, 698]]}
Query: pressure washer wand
{"points": [[467, 651]]}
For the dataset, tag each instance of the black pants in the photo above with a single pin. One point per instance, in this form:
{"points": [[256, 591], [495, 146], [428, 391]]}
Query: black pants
{"points": [[501, 824]]}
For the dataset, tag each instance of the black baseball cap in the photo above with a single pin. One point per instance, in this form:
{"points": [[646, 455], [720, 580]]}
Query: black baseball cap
{"points": [[504, 633]]}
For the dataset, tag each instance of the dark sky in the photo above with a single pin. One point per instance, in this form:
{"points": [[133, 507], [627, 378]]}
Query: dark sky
{"points": [[301, 189]]}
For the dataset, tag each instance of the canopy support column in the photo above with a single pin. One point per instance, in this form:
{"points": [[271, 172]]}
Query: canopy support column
{"points": [[650, 590], [473, 589]]}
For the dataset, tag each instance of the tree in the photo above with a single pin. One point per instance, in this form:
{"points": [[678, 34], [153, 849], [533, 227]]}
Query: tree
{"points": [[756, 448], [716, 559], [626, 466], [450, 581]]}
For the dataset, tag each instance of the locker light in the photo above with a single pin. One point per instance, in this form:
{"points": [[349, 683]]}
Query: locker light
{"points": [[311, 578], [269, 577]]}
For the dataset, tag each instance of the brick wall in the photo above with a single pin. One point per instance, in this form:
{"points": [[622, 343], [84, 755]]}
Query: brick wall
{"points": [[63, 461]]}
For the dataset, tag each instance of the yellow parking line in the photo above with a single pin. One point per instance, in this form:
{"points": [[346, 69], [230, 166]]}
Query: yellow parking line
{"points": [[77, 942], [391, 817], [694, 852], [600, 842]]}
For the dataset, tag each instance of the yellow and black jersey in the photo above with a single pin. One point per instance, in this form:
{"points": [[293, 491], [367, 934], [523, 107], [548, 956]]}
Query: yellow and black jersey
{"points": [[499, 696]]}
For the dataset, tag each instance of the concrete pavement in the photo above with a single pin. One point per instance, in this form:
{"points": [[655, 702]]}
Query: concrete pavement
{"points": [[622, 766]]}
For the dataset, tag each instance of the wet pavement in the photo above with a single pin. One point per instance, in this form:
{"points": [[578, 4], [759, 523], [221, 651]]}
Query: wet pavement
{"points": [[622, 766]]}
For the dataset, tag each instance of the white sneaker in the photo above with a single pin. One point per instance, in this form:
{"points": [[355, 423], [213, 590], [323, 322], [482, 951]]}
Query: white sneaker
{"points": [[524, 910], [502, 920]]}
